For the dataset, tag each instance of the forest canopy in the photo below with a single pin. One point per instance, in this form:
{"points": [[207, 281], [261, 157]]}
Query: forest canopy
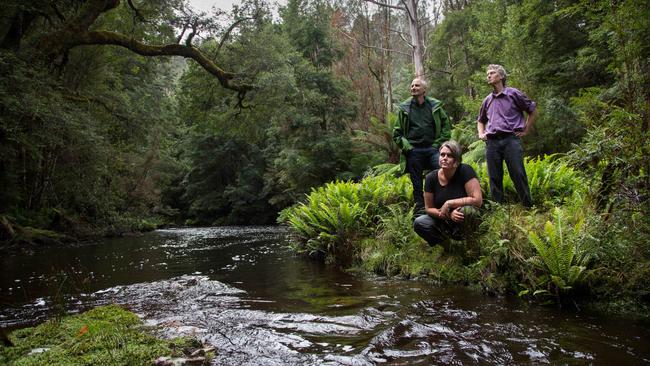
{"points": [[128, 114]]}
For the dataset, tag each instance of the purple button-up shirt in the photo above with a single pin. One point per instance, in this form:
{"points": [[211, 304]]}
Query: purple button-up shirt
{"points": [[503, 112]]}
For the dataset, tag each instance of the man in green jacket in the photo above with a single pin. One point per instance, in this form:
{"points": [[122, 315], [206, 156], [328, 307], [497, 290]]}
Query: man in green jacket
{"points": [[422, 126]]}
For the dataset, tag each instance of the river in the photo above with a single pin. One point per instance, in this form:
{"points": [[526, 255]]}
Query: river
{"points": [[242, 290]]}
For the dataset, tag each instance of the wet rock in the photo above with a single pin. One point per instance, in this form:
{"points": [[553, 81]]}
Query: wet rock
{"points": [[201, 352], [180, 361], [193, 356]]}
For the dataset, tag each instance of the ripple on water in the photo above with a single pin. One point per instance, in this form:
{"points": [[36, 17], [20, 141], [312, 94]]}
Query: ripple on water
{"points": [[335, 319], [217, 314]]}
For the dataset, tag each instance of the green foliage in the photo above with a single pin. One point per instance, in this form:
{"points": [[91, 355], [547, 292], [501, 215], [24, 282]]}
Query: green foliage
{"points": [[225, 184], [289, 138], [615, 150], [550, 178], [560, 258], [542, 254], [505, 248], [558, 121], [395, 250], [337, 213], [89, 139], [394, 246], [107, 335], [465, 134], [308, 25], [475, 153]]}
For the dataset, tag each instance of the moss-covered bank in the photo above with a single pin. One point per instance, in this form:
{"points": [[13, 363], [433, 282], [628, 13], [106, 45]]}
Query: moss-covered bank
{"points": [[107, 335], [52, 227]]}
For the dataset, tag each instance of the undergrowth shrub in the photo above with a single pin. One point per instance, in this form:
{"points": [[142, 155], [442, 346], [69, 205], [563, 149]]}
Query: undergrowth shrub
{"points": [[550, 179], [560, 261], [505, 248], [540, 254], [338, 213], [395, 249], [370, 224], [621, 261]]}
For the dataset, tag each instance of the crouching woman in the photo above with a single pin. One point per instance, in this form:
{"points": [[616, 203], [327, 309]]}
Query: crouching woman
{"points": [[452, 196]]}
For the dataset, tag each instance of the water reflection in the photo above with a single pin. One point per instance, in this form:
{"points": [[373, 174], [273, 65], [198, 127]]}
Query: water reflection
{"points": [[241, 290]]}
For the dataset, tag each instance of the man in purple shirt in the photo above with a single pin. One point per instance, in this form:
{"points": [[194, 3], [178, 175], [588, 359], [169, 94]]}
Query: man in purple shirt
{"points": [[501, 124]]}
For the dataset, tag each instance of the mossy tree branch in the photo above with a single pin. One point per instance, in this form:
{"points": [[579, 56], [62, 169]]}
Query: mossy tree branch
{"points": [[111, 38], [76, 31]]}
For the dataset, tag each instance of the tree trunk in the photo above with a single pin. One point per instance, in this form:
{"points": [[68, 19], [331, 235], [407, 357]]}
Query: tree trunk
{"points": [[416, 37], [6, 230], [417, 42], [389, 61], [20, 22]]}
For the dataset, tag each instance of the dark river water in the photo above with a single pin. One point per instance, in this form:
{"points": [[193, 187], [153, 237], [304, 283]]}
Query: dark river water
{"points": [[242, 290]]}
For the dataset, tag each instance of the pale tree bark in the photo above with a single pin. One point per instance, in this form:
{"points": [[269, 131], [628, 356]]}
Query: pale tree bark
{"points": [[410, 8], [417, 43], [388, 61]]}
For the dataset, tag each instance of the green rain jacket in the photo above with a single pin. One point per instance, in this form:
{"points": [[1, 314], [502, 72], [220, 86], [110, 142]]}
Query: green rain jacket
{"points": [[442, 127]]}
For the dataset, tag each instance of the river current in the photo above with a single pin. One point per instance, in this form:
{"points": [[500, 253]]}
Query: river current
{"points": [[242, 290]]}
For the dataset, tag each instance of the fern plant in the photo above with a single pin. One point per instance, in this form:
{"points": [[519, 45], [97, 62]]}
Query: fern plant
{"points": [[560, 259], [395, 249], [340, 212], [551, 180]]}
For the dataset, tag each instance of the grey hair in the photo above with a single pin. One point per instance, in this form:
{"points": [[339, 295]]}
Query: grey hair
{"points": [[500, 70], [455, 148], [422, 82]]}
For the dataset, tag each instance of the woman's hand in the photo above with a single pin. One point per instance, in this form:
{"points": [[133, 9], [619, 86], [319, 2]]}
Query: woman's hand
{"points": [[457, 215], [445, 209]]}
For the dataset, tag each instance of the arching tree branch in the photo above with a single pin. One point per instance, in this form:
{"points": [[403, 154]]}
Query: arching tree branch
{"points": [[136, 11], [75, 32], [190, 37], [111, 38], [228, 31]]}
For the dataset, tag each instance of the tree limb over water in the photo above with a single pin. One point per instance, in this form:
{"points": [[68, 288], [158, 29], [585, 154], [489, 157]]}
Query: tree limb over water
{"points": [[111, 38], [81, 29]]}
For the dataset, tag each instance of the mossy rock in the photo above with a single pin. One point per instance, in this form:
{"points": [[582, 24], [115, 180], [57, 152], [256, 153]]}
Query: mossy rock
{"points": [[107, 335]]}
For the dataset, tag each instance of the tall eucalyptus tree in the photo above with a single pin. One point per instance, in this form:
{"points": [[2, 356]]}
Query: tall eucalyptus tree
{"points": [[416, 24]]}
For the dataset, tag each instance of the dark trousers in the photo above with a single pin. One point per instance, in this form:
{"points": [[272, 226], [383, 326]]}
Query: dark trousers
{"points": [[435, 230], [507, 148], [417, 160]]}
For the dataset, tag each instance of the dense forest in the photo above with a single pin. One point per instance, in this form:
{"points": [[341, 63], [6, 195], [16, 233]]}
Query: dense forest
{"points": [[126, 115]]}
